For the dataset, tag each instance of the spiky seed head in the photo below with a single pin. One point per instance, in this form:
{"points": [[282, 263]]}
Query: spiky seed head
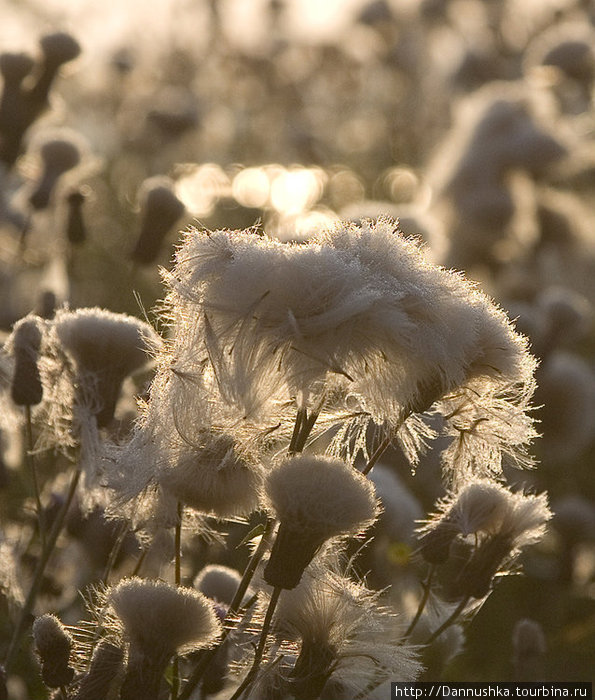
{"points": [[215, 478], [321, 495], [105, 347]]}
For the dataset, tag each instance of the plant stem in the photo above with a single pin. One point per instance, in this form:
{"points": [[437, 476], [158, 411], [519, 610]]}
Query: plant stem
{"points": [[46, 552], [32, 468], [175, 679], [234, 606], [249, 679], [448, 622], [377, 454], [426, 595], [123, 531]]}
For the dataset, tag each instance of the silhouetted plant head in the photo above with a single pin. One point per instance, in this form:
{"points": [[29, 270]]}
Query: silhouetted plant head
{"points": [[160, 209], [58, 156]]}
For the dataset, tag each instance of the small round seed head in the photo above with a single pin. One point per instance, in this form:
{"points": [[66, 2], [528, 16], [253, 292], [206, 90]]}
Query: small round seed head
{"points": [[218, 582], [160, 209], [59, 47], [315, 498], [15, 66], [53, 644], [160, 619]]}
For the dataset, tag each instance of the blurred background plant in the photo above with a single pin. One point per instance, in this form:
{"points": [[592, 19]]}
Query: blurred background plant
{"points": [[471, 121]]}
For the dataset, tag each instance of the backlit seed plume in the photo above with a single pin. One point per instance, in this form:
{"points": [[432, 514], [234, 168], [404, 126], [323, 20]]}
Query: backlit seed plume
{"points": [[314, 498], [53, 644], [347, 639], [523, 523], [104, 348], [213, 477], [484, 509], [159, 619], [24, 344], [218, 582], [160, 209]]}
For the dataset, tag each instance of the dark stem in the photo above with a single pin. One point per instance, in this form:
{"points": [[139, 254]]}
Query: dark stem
{"points": [[234, 606], [32, 468], [52, 538], [448, 622], [123, 531], [266, 625], [175, 679], [377, 454], [427, 586]]}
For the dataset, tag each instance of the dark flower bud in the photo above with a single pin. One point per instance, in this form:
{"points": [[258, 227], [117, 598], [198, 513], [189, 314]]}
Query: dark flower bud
{"points": [[53, 644], [475, 579], [57, 48], [26, 388], [434, 545], [14, 67], [58, 156], [14, 118], [160, 209], [76, 231]]}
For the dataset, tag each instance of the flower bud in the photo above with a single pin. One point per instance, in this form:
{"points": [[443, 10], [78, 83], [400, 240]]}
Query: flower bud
{"points": [[53, 645], [26, 388], [58, 156], [160, 209]]}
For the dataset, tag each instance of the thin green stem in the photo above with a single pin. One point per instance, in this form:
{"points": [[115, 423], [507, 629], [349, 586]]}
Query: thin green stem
{"points": [[51, 540], [33, 470], [266, 625], [422, 604], [448, 622]]}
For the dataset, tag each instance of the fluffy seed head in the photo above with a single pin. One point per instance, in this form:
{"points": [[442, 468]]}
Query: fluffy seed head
{"points": [[322, 496], [217, 582], [214, 478], [104, 347], [160, 619]]}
